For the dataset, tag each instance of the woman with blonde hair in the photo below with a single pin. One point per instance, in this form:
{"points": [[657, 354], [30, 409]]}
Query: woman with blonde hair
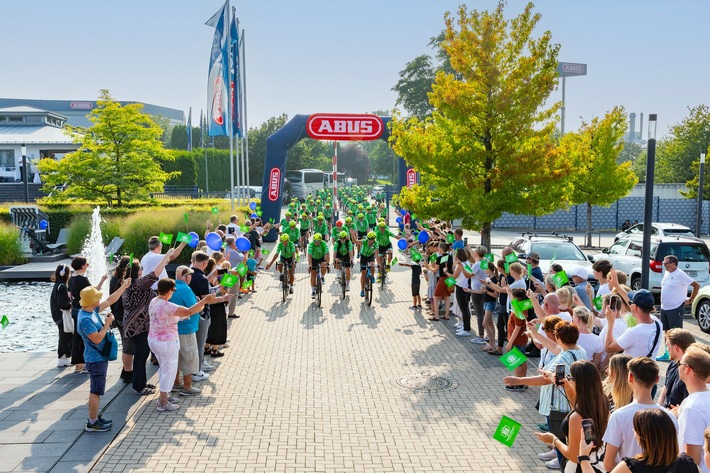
{"points": [[565, 294], [616, 385], [583, 319]]}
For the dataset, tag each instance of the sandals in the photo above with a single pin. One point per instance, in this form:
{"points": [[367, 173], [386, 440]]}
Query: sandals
{"points": [[494, 352], [216, 353], [433, 319], [145, 392], [487, 348]]}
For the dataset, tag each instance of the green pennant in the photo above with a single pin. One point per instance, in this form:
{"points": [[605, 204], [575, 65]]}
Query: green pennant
{"points": [[110, 258], [425, 226], [228, 280], [242, 269], [511, 258], [507, 431], [394, 261], [215, 210], [251, 253], [597, 301], [490, 257], [130, 262], [506, 267], [560, 279], [259, 213], [517, 310], [414, 216], [450, 238], [554, 256], [513, 359], [247, 284], [432, 258], [183, 238], [166, 238], [4, 321], [444, 259], [265, 252], [186, 217], [529, 270], [271, 220], [469, 269], [415, 253], [450, 281], [484, 265], [244, 228]]}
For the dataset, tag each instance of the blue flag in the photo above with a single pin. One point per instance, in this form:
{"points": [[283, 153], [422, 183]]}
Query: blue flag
{"points": [[218, 79], [235, 87], [189, 130]]}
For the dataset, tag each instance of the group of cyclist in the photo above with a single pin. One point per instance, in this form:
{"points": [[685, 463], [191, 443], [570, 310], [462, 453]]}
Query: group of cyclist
{"points": [[364, 230]]}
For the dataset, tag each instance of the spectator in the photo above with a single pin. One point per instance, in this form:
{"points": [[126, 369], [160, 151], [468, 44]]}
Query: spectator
{"points": [[517, 338], [616, 385], [620, 326], [601, 269], [583, 319], [119, 274], [151, 259], [641, 340], [77, 282], [694, 411], [619, 437], [59, 301], [674, 292], [201, 288], [462, 295], [533, 259], [579, 277], [444, 264], [677, 341], [188, 356]]}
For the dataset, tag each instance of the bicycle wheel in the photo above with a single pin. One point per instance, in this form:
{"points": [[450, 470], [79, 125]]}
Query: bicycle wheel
{"points": [[342, 283], [319, 289], [368, 290], [284, 287], [382, 278]]}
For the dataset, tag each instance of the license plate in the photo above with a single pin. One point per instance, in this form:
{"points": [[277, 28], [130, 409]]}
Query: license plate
{"points": [[692, 274]]}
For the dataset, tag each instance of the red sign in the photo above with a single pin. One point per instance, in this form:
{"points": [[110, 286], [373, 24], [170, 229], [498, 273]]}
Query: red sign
{"points": [[344, 126], [411, 177], [81, 105], [274, 183]]}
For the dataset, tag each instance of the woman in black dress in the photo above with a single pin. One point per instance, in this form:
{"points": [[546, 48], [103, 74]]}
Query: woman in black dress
{"points": [[217, 334], [77, 282], [59, 301]]}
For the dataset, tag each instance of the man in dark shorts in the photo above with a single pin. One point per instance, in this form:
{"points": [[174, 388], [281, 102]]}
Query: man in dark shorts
{"points": [[317, 255], [367, 257], [343, 251]]}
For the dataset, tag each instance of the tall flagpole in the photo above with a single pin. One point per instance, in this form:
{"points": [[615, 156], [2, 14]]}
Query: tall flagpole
{"points": [[243, 115], [235, 49], [229, 114], [241, 110], [204, 150]]}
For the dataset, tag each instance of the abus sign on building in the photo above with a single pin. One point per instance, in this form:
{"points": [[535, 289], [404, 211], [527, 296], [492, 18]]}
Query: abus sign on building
{"points": [[344, 126], [411, 177], [274, 183]]}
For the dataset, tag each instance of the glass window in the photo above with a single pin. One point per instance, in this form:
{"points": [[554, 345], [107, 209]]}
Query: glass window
{"points": [[634, 250], [617, 248], [294, 176], [7, 158], [690, 252], [313, 177], [558, 250]]}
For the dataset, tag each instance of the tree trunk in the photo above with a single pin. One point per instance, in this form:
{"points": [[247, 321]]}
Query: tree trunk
{"points": [[118, 195], [486, 235], [589, 224]]}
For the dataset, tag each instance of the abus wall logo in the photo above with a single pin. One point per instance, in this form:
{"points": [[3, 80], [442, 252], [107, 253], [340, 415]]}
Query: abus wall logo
{"points": [[344, 126], [274, 183], [81, 105], [411, 177]]}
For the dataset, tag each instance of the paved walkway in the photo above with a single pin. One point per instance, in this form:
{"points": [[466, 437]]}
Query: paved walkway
{"points": [[301, 389]]}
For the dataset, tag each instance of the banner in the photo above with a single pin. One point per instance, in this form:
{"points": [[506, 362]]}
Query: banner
{"points": [[218, 77]]}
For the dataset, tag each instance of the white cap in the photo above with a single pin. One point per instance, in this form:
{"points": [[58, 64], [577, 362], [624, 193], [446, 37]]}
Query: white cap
{"points": [[578, 271]]}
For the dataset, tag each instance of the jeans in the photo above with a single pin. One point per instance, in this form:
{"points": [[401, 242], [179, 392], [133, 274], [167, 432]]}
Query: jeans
{"points": [[141, 350], [462, 302]]}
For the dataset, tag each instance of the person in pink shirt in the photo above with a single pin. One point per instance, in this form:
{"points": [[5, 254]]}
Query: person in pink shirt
{"points": [[163, 337]]}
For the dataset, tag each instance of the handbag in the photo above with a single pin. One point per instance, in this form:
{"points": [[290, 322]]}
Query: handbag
{"points": [[67, 321], [109, 352]]}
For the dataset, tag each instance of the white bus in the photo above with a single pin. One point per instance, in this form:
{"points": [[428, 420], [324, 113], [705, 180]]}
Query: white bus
{"points": [[305, 182], [328, 179]]}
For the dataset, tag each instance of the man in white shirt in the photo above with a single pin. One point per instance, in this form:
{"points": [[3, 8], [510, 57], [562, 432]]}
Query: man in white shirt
{"points": [[674, 296], [641, 340], [694, 411], [619, 436], [151, 259], [233, 227]]}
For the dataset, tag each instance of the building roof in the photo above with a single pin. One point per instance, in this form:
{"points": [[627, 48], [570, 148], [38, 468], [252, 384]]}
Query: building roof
{"points": [[22, 109], [33, 135]]}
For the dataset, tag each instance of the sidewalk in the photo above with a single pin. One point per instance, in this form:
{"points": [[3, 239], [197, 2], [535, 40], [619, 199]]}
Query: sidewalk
{"points": [[343, 388]]}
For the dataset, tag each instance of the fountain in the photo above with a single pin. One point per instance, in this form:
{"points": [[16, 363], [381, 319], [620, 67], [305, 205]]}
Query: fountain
{"points": [[94, 251]]}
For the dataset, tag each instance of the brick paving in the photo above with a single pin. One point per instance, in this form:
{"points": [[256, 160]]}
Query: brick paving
{"points": [[303, 389]]}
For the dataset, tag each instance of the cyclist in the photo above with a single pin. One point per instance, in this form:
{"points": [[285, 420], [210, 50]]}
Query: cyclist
{"points": [[293, 233], [287, 250], [305, 223], [318, 258], [343, 251], [284, 221], [361, 226], [383, 235], [328, 214], [349, 227], [367, 258], [321, 227]]}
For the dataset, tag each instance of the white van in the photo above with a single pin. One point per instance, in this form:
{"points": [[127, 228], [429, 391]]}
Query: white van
{"points": [[305, 182]]}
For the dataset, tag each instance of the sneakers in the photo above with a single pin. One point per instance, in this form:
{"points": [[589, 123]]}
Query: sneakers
{"points": [[463, 333], [553, 464], [201, 376], [543, 427], [97, 426], [313, 294], [176, 388], [206, 367], [515, 388], [547, 456], [478, 340], [106, 421], [193, 391], [290, 289], [362, 293], [63, 361], [167, 407]]}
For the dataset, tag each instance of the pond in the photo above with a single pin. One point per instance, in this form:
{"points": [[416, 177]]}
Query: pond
{"points": [[31, 328]]}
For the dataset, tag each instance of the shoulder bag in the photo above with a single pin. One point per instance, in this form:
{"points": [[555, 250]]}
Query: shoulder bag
{"points": [[67, 321], [110, 350]]}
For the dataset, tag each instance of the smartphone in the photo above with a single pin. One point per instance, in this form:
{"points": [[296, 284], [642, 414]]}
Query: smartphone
{"points": [[231, 230], [614, 303], [222, 271], [559, 374], [588, 428]]}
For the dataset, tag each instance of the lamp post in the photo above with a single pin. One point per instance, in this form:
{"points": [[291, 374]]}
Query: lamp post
{"points": [[23, 151], [698, 225], [648, 202]]}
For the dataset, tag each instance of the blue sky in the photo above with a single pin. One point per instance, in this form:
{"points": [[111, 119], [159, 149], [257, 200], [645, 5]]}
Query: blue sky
{"points": [[335, 56]]}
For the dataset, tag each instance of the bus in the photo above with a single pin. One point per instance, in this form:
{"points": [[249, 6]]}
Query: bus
{"points": [[305, 182], [328, 179]]}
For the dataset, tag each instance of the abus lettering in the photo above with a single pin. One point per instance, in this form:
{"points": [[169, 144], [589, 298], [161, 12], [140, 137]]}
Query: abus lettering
{"points": [[274, 182], [344, 127]]}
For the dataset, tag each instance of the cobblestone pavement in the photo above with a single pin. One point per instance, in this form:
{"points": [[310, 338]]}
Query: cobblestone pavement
{"points": [[303, 389]]}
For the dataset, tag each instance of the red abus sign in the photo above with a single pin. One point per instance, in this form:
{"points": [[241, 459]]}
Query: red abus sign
{"points": [[274, 183], [344, 126], [411, 177]]}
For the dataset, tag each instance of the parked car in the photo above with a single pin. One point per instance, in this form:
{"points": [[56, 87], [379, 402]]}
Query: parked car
{"points": [[250, 192], [657, 229], [553, 247], [692, 253], [701, 309]]}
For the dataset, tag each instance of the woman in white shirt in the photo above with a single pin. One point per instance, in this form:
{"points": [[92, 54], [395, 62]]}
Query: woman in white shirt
{"points": [[592, 344]]}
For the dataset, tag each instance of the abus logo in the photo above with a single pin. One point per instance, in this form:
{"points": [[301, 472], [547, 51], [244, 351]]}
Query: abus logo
{"points": [[411, 177], [343, 126], [578, 68], [217, 108], [274, 183], [81, 105]]}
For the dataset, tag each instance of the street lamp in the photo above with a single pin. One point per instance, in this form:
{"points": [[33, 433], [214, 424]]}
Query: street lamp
{"points": [[23, 151], [698, 225], [648, 202]]}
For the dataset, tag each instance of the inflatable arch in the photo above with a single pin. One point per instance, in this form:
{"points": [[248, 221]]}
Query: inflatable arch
{"points": [[319, 126]]}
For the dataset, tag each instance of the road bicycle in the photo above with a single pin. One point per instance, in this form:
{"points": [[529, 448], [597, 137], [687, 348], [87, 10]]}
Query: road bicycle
{"points": [[368, 286], [285, 278]]}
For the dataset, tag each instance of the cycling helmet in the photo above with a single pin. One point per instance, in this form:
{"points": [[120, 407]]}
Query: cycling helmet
{"points": [[317, 237], [292, 223], [371, 235], [318, 201], [382, 224], [348, 220], [304, 215], [321, 217], [360, 216], [343, 234], [288, 214], [327, 204], [360, 206], [284, 237], [338, 223]]}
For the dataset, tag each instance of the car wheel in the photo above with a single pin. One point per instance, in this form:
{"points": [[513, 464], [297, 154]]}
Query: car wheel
{"points": [[635, 283], [702, 313]]}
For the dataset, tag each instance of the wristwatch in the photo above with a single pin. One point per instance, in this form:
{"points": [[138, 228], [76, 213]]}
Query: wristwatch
{"points": [[582, 458]]}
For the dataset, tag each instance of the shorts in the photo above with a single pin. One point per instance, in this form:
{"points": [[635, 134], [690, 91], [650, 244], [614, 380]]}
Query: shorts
{"points": [[442, 290], [415, 289], [317, 263], [97, 376], [365, 260], [344, 260], [304, 232], [489, 306], [361, 235], [188, 356], [127, 347], [385, 249], [672, 318]]}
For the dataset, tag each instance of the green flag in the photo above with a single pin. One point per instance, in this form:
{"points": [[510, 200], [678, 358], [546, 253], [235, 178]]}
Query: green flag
{"points": [[529, 270], [394, 261], [4, 321], [251, 253], [484, 265], [215, 210], [517, 310], [416, 256], [414, 216], [110, 258], [271, 220], [228, 280], [242, 269], [166, 238], [554, 256], [469, 269], [513, 359], [450, 281], [450, 238], [490, 257], [560, 279], [130, 262], [265, 252], [444, 259], [185, 217], [597, 301], [511, 258], [507, 431], [425, 226], [247, 284], [432, 258], [244, 228], [183, 238], [259, 213], [506, 267]]}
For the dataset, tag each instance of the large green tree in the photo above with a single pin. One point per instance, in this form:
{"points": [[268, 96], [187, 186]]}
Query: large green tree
{"points": [[354, 162], [119, 158], [598, 178], [487, 147]]}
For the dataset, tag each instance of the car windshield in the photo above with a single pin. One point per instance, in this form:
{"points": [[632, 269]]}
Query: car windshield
{"points": [[562, 250], [689, 252]]}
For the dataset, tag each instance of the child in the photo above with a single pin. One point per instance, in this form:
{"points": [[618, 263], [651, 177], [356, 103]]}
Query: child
{"points": [[517, 337], [416, 279], [251, 275]]}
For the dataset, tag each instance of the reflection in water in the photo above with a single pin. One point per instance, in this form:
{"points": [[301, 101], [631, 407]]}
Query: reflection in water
{"points": [[31, 328]]}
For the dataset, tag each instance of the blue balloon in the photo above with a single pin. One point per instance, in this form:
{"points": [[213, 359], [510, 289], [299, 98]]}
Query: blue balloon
{"points": [[214, 241], [243, 244], [402, 244], [43, 224], [253, 216], [195, 240], [423, 237], [398, 219], [252, 205]]}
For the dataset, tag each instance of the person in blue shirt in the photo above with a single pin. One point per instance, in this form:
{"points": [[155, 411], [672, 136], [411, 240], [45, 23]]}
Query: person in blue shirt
{"points": [[189, 356], [93, 332]]}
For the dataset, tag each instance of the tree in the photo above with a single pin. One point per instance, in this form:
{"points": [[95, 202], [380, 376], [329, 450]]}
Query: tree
{"points": [[598, 178], [257, 145], [414, 86], [178, 137], [487, 147], [354, 162], [119, 158], [630, 152]]}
